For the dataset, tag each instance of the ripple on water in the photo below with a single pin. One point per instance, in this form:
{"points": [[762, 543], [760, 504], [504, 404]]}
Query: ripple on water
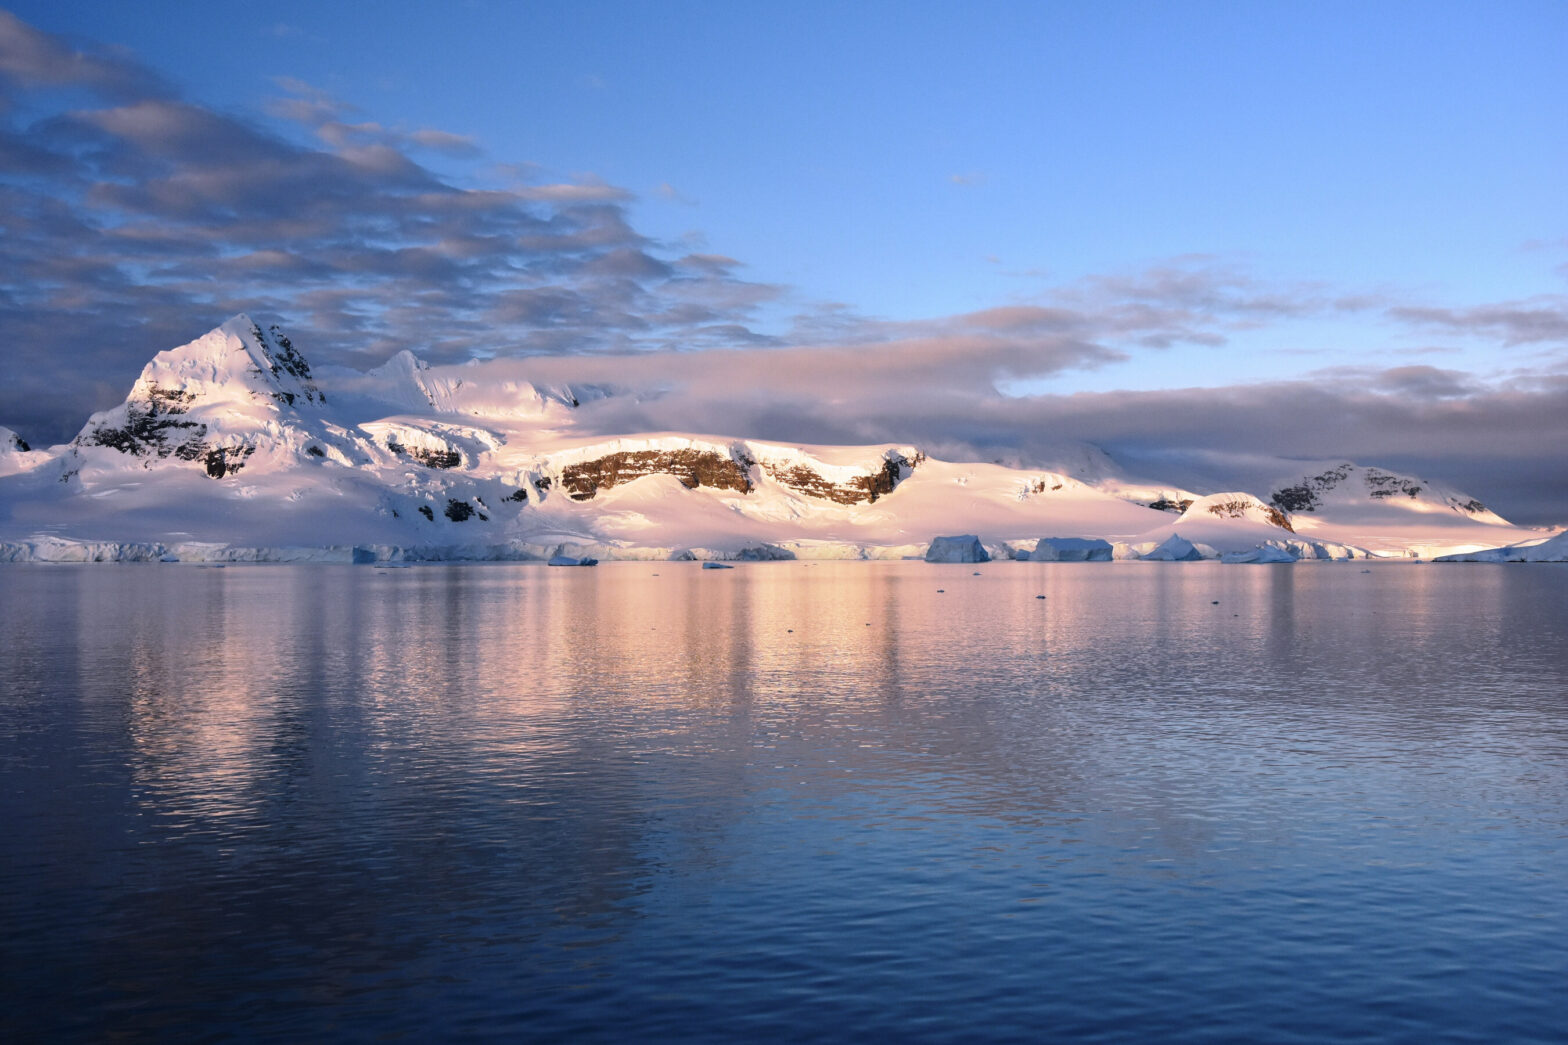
{"points": [[812, 803]]}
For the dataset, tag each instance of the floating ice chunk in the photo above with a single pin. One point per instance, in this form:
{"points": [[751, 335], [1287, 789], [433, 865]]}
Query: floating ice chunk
{"points": [[1175, 548], [964, 548], [1263, 553], [1071, 549]]}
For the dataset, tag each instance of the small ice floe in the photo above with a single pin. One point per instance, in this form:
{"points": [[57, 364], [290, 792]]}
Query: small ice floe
{"points": [[567, 560], [717, 566]]}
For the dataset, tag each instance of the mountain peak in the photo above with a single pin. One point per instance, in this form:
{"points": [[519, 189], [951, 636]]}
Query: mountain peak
{"points": [[235, 376], [1346, 484], [234, 361]]}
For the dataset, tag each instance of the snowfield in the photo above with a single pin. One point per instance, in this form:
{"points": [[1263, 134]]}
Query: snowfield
{"points": [[232, 449]]}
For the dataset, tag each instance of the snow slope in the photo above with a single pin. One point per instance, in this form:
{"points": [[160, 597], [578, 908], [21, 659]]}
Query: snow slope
{"points": [[1553, 549], [232, 446], [1385, 510], [1241, 527]]}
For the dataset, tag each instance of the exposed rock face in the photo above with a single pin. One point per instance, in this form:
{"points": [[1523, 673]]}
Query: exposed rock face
{"points": [[693, 468], [860, 489], [154, 425], [1381, 484], [281, 358], [430, 457], [186, 401], [462, 511], [1307, 495], [436, 458], [226, 460], [1165, 504], [1237, 508]]}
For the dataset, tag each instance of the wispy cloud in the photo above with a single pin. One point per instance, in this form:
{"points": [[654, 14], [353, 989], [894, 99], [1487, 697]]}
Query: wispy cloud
{"points": [[128, 222], [1540, 320], [131, 218]]}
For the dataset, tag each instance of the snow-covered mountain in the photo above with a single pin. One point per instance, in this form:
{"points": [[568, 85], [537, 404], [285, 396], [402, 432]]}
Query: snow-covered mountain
{"points": [[231, 446], [1552, 549]]}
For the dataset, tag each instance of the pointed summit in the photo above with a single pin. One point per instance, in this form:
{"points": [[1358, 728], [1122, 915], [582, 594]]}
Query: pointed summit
{"points": [[235, 360], [235, 377]]}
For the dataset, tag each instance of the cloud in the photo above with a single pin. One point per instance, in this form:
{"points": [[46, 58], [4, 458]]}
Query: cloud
{"points": [[665, 191], [30, 58], [1535, 321], [1499, 443], [581, 192], [132, 219]]}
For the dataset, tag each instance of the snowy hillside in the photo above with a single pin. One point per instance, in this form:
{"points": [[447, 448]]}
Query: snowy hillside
{"points": [[231, 446], [1384, 509]]}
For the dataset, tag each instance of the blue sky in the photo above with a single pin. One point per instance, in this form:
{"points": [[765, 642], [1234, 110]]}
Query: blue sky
{"points": [[918, 160], [1212, 195]]}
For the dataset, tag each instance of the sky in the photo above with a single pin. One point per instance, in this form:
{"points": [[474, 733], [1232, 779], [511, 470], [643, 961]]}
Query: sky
{"points": [[1304, 230]]}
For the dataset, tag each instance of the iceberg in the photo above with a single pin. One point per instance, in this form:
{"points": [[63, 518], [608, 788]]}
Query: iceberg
{"points": [[1071, 549], [964, 548], [1174, 549], [1263, 553]]}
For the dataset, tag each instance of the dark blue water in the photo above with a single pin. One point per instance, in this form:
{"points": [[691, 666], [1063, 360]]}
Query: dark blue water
{"points": [[785, 802]]}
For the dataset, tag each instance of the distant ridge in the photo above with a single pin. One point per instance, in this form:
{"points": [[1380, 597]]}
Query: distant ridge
{"points": [[232, 441]]}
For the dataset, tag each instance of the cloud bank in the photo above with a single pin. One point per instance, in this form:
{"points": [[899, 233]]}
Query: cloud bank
{"points": [[133, 218]]}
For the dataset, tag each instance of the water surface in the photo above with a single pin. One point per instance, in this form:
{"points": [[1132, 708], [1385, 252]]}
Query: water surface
{"points": [[785, 802]]}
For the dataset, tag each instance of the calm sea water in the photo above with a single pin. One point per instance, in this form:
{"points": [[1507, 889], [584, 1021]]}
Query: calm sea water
{"points": [[785, 802]]}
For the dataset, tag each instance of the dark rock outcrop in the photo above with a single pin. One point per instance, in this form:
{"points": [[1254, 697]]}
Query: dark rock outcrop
{"points": [[858, 490], [227, 460], [154, 426], [447, 458], [287, 360], [1238, 510], [693, 468], [436, 458]]}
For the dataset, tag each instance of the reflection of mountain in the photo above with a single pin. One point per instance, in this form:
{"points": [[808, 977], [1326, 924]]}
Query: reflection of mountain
{"points": [[233, 447], [373, 794]]}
